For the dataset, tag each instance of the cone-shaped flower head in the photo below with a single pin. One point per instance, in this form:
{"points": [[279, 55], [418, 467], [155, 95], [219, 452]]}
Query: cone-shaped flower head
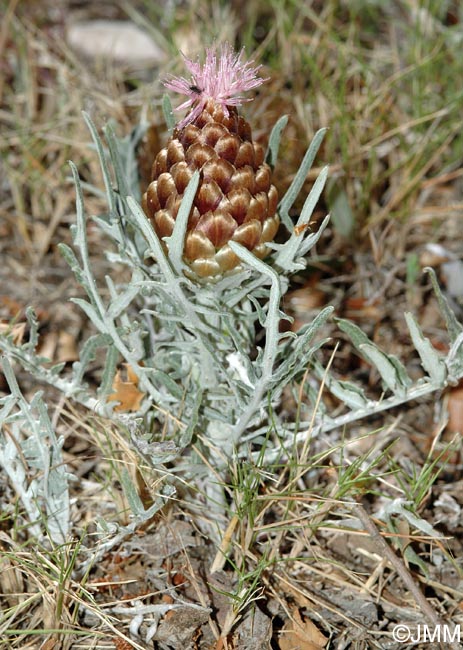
{"points": [[235, 199]]}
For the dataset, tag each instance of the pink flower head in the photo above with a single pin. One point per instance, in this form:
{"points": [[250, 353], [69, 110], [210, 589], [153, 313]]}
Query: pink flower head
{"points": [[221, 78]]}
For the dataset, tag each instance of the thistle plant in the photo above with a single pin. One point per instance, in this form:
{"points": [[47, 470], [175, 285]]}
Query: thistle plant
{"points": [[199, 322]]}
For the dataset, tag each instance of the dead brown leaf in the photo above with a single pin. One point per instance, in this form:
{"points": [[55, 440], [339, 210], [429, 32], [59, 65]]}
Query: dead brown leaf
{"points": [[58, 346], [455, 409], [126, 392], [358, 308], [303, 301], [16, 331], [49, 644], [47, 345], [301, 634], [67, 347], [11, 581], [122, 644], [11, 307]]}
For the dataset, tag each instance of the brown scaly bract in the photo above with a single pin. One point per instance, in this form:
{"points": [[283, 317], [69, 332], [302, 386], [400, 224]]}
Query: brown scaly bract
{"points": [[235, 199]]}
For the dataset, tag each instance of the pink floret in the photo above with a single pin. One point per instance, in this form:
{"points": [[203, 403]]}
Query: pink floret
{"points": [[222, 78]]}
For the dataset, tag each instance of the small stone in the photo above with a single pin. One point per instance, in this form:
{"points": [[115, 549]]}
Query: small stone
{"points": [[120, 41]]}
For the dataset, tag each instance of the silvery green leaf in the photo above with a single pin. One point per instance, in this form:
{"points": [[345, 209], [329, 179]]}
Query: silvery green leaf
{"points": [[401, 507], [274, 141], [312, 199], [57, 368], [401, 371], [131, 493], [87, 355], [151, 237], [298, 351], [295, 366], [157, 452], [431, 360], [162, 379], [110, 196], [273, 312], [356, 335], [127, 151], [299, 180], [117, 163], [71, 259], [168, 113], [310, 240], [389, 367], [33, 329], [135, 339], [32, 445], [160, 314], [412, 557], [350, 394], [217, 417], [113, 230], [55, 480], [90, 311], [187, 435], [176, 241], [238, 364], [261, 315], [78, 231], [230, 282], [455, 358], [14, 467], [285, 258], [252, 410], [138, 510], [6, 406], [454, 328], [120, 303], [92, 190], [244, 358], [109, 372]]}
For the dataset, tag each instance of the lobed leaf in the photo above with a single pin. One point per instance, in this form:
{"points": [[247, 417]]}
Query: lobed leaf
{"points": [[454, 328], [110, 195], [285, 258], [431, 360], [299, 180], [389, 367]]}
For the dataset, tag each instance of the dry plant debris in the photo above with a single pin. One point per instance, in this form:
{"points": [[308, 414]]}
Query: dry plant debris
{"points": [[126, 391]]}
